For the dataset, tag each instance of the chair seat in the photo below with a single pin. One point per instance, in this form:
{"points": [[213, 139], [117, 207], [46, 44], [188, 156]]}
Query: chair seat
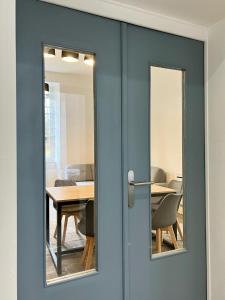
{"points": [[73, 208]]}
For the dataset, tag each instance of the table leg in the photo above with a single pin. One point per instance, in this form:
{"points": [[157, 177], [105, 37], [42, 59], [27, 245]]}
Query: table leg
{"points": [[47, 219], [59, 239]]}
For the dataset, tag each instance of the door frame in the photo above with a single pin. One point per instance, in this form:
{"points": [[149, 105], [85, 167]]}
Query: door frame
{"points": [[125, 148]]}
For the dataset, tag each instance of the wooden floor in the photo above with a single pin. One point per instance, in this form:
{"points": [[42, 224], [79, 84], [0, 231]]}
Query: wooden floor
{"points": [[72, 263]]}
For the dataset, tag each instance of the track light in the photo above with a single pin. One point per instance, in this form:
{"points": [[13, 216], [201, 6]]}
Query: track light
{"points": [[46, 88], [49, 53], [89, 60], [70, 56]]}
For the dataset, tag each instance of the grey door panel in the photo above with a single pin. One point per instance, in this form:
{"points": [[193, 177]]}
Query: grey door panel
{"points": [[179, 276], [40, 23]]}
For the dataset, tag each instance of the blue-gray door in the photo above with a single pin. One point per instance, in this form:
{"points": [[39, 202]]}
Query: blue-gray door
{"points": [[179, 274], [41, 24], [124, 54]]}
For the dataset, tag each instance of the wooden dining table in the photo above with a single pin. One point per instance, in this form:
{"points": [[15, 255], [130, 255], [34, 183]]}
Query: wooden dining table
{"points": [[159, 190], [67, 195]]}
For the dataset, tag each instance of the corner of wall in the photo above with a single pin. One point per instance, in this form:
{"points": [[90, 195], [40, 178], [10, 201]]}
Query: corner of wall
{"points": [[215, 158], [8, 191]]}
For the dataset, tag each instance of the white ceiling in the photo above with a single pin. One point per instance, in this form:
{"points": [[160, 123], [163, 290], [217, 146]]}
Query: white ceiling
{"points": [[201, 12], [56, 64]]}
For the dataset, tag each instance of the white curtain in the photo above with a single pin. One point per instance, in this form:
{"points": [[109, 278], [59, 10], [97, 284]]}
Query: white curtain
{"points": [[72, 133], [55, 168], [61, 136]]}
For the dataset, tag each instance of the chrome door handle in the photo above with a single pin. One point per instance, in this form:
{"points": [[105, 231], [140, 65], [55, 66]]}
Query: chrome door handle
{"points": [[140, 183], [132, 184]]}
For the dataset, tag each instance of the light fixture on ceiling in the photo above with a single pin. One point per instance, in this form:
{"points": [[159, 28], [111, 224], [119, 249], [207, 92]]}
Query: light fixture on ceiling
{"points": [[46, 88], [50, 52], [89, 60], [70, 56]]}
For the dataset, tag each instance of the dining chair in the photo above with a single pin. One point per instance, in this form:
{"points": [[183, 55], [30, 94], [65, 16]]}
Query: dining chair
{"points": [[68, 211], [176, 185], [158, 175], [80, 172], [164, 217], [86, 227]]}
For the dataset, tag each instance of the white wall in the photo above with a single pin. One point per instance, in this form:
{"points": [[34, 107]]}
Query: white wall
{"points": [[166, 121], [76, 97], [78, 93], [216, 158], [8, 211]]}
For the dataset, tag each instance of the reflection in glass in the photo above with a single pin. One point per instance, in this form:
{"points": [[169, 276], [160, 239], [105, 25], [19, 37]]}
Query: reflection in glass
{"points": [[69, 164], [166, 159]]}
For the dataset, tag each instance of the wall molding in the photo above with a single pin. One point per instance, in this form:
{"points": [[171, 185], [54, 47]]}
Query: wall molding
{"points": [[134, 15]]}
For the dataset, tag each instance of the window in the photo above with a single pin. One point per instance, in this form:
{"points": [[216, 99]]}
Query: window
{"points": [[167, 98], [50, 125], [69, 164]]}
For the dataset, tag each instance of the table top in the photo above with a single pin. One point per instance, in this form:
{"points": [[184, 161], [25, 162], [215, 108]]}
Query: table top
{"points": [[71, 193], [160, 190], [82, 192]]}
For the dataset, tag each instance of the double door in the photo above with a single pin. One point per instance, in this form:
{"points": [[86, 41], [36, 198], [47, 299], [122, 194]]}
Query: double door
{"points": [[133, 67]]}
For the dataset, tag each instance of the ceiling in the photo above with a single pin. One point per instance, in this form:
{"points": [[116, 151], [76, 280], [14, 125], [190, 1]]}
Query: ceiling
{"points": [[201, 12], [56, 64]]}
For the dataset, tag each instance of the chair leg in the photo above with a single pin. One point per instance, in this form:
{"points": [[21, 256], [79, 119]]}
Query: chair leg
{"points": [[172, 236], [55, 233], [161, 236], [158, 240], [179, 230], [89, 256], [76, 223], [65, 229]]}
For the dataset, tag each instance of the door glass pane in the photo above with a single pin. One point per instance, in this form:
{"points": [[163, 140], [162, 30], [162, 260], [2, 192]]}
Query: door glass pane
{"points": [[69, 163], [167, 202]]}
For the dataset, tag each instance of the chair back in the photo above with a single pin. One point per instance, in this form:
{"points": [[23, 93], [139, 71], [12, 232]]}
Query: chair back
{"points": [[64, 182], [157, 175], [176, 185], [80, 172], [86, 224], [166, 214]]}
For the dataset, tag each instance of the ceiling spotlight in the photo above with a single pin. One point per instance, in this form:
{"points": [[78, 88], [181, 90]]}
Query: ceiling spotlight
{"points": [[49, 53], [89, 60], [46, 88], [70, 56]]}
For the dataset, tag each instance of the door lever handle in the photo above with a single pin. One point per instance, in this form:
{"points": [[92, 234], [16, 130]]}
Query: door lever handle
{"points": [[140, 183], [132, 184]]}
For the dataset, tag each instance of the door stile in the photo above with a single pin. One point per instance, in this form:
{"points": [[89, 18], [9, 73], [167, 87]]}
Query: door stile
{"points": [[124, 149]]}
